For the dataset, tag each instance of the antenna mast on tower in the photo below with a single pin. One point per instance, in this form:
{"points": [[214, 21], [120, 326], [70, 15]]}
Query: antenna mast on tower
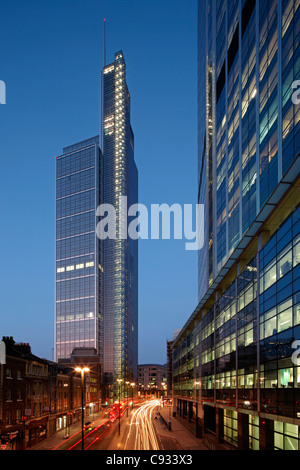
{"points": [[104, 43]]}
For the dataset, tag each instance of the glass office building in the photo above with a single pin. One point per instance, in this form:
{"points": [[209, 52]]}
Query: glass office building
{"points": [[248, 59], [120, 254], [234, 377], [79, 265]]}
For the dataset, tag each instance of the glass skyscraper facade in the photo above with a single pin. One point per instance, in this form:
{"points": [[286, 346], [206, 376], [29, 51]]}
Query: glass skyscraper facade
{"points": [[120, 254], [79, 265], [234, 376], [248, 59], [96, 280]]}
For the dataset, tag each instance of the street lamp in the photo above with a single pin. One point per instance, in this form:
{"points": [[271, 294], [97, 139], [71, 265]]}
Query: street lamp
{"points": [[119, 382], [170, 421], [82, 371], [163, 391], [127, 383], [132, 387]]}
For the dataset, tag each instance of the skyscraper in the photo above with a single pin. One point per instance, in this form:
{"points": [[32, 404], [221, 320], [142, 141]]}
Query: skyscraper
{"points": [[96, 288], [247, 61], [235, 376], [79, 270], [120, 254]]}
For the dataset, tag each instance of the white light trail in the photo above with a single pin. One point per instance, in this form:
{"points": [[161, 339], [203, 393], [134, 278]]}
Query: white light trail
{"points": [[141, 427]]}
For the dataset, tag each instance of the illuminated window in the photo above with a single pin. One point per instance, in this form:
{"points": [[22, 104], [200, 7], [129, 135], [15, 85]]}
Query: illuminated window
{"points": [[286, 436], [254, 432], [70, 268], [90, 264], [109, 69], [61, 270], [80, 266]]}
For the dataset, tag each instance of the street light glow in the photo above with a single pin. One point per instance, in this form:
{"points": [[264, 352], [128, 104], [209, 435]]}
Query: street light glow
{"points": [[82, 369]]}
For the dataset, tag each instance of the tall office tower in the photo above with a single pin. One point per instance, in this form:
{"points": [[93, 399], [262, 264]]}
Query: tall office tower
{"points": [[205, 255], [235, 368], [79, 291], [247, 58], [121, 253]]}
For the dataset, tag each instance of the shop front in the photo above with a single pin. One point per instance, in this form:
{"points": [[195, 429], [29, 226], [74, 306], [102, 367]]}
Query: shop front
{"points": [[12, 437], [36, 431]]}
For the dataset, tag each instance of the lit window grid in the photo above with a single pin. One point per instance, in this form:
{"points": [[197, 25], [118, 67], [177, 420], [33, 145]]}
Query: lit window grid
{"points": [[287, 316], [67, 297]]}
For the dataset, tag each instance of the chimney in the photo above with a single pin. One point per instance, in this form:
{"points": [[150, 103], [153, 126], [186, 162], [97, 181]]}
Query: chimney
{"points": [[9, 342], [23, 348]]}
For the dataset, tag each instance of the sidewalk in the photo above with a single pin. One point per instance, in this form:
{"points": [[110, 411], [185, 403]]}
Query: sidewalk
{"points": [[179, 438], [58, 438]]}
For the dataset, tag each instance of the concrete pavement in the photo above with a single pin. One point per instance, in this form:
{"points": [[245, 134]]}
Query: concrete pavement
{"points": [[179, 438]]}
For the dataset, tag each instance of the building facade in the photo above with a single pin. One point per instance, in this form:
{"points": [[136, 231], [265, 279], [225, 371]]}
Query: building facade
{"points": [[235, 378], [152, 379], [248, 60], [88, 357], [40, 397], [79, 266], [120, 251], [24, 397], [169, 368]]}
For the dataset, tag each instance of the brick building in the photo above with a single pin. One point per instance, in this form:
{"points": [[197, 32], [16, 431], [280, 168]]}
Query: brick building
{"points": [[24, 396], [39, 397]]}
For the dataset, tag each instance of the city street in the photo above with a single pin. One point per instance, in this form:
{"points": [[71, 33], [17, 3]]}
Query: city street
{"points": [[143, 429], [136, 431], [151, 280], [141, 434]]}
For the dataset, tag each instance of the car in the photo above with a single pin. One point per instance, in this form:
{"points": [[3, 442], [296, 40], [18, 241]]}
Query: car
{"points": [[88, 423]]}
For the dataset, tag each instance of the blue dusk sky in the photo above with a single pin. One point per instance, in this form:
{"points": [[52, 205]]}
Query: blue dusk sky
{"points": [[51, 57]]}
